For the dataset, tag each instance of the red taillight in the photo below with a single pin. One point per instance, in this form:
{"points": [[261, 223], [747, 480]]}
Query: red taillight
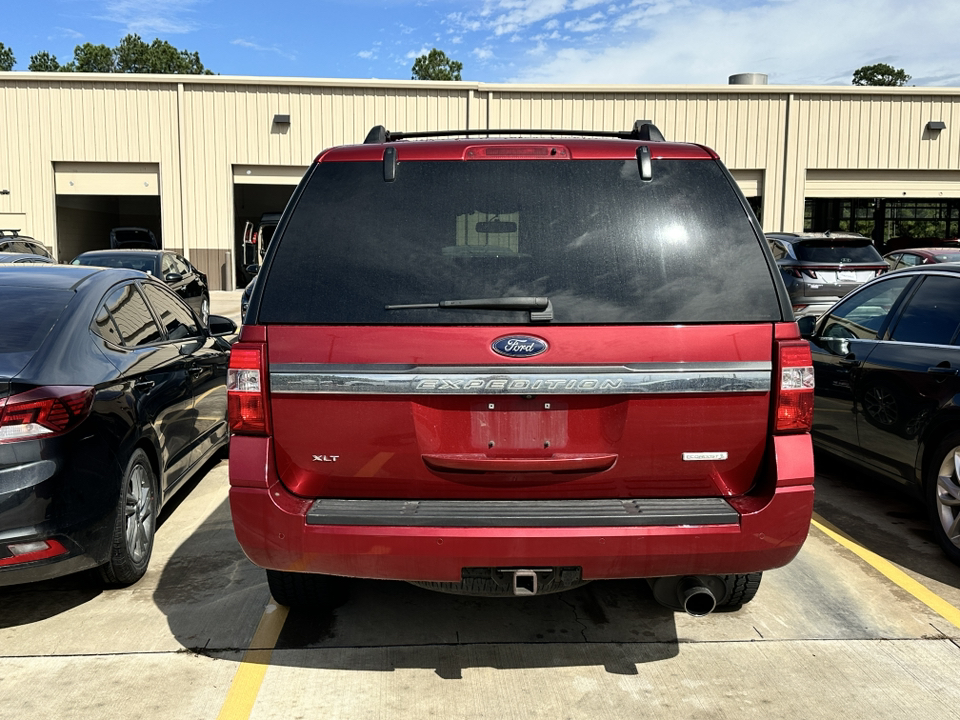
{"points": [[43, 412], [794, 399], [24, 552], [246, 391]]}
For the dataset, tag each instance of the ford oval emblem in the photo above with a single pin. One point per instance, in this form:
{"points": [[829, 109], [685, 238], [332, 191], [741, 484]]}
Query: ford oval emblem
{"points": [[519, 346]]}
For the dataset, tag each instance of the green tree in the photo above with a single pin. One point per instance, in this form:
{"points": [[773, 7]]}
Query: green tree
{"points": [[435, 65], [7, 60], [91, 58], [131, 55], [880, 74], [43, 62]]}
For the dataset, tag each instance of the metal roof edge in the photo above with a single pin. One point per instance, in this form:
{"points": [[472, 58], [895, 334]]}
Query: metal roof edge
{"points": [[61, 78]]}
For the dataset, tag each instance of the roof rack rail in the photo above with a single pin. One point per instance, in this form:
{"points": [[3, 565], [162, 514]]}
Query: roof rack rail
{"points": [[642, 130], [14, 232]]}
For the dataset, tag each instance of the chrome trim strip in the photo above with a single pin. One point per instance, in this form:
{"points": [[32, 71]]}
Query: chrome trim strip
{"points": [[684, 378]]}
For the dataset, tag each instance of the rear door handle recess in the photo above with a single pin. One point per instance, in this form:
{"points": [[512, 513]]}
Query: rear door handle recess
{"points": [[943, 369], [470, 462], [849, 361]]}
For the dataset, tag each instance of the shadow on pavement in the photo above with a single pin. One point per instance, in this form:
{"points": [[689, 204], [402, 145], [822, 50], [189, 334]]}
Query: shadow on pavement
{"points": [[213, 598], [34, 602], [884, 518]]}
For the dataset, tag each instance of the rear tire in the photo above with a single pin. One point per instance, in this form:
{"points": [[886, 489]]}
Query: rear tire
{"points": [[135, 524], [303, 590], [741, 589], [942, 495]]}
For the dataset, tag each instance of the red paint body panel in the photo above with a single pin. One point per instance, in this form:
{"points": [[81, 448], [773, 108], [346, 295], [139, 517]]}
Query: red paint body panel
{"points": [[381, 440], [578, 148], [271, 527]]}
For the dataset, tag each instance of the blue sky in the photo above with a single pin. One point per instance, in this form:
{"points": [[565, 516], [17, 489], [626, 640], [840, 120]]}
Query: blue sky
{"points": [[803, 42]]}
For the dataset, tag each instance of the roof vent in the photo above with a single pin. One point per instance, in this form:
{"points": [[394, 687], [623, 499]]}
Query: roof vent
{"points": [[748, 79]]}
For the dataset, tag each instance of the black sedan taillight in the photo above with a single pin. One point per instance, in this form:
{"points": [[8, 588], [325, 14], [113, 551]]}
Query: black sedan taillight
{"points": [[44, 412]]}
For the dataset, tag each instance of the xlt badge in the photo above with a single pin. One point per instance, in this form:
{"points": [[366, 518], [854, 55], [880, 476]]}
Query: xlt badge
{"points": [[325, 458]]}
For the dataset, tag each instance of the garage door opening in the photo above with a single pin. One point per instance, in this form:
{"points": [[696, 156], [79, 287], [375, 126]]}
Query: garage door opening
{"points": [[84, 222], [93, 198], [251, 203]]}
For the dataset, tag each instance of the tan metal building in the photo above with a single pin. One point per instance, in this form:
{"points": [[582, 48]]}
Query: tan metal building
{"points": [[194, 158]]}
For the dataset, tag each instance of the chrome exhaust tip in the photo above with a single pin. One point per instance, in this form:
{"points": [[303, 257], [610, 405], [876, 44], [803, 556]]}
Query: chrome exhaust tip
{"points": [[695, 598]]}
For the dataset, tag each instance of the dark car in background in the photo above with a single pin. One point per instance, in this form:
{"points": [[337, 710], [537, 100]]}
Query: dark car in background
{"points": [[19, 257], [820, 268], [11, 241], [173, 269], [133, 237], [887, 366], [112, 395], [922, 256]]}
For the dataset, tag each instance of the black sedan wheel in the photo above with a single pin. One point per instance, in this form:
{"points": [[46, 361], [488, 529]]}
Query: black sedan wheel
{"points": [[943, 493], [135, 525]]}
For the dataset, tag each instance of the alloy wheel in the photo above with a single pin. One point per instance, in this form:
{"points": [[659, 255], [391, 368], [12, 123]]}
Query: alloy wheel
{"points": [[948, 496], [139, 516]]}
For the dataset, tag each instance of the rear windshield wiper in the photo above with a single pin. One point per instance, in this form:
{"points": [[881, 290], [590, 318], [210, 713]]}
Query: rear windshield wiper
{"points": [[540, 308]]}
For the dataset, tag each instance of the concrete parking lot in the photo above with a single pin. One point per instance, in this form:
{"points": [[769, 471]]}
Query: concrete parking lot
{"points": [[865, 623]]}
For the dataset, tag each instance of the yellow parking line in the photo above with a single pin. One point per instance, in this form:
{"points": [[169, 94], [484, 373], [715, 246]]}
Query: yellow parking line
{"points": [[249, 676], [891, 572]]}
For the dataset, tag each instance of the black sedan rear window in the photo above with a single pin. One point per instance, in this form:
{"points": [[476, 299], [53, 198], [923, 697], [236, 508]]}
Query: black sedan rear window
{"points": [[28, 315], [134, 261], [589, 235]]}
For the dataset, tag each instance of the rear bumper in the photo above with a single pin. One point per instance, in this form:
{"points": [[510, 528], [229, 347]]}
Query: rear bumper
{"points": [[272, 527]]}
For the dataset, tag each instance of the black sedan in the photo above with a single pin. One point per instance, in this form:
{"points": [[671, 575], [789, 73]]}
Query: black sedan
{"points": [[111, 396], [887, 367], [173, 269]]}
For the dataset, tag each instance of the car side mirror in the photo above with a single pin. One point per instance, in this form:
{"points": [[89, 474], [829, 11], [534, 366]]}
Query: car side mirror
{"points": [[807, 325], [220, 326], [173, 277], [253, 269]]}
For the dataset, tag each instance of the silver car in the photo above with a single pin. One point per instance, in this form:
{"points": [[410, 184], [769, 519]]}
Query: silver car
{"points": [[820, 268]]}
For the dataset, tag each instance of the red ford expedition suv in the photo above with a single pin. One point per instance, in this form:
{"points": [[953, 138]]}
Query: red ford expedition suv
{"points": [[516, 365]]}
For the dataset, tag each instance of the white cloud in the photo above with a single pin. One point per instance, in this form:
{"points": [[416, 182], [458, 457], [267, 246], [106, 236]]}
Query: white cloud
{"points": [[482, 53], [702, 41], [365, 54], [414, 54], [263, 48], [169, 17], [68, 33]]}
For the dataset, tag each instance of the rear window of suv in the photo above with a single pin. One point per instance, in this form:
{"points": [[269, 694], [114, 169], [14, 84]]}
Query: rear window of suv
{"points": [[832, 252], [590, 235]]}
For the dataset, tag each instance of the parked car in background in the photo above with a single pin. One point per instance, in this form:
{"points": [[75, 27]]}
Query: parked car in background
{"points": [[510, 366], [173, 269], [820, 268], [112, 395], [11, 241], [256, 240], [18, 257], [887, 366], [133, 237], [921, 256], [908, 243]]}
